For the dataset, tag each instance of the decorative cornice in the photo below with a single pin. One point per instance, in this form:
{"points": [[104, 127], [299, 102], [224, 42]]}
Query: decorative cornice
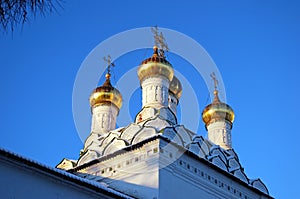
{"points": [[182, 149]]}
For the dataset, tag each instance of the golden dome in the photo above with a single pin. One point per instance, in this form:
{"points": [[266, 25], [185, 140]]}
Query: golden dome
{"points": [[155, 65], [176, 87], [217, 110], [106, 94]]}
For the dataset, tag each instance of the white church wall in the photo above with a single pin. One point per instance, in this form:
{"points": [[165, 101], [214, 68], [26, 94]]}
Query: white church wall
{"points": [[19, 180], [134, 173], [186, 175], [158, 169]]}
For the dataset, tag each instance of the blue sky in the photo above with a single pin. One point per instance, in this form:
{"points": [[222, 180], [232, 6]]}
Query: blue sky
{"points": [[255, 45]]}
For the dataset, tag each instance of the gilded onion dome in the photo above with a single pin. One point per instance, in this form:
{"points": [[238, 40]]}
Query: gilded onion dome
{"points": [[155, 65], [106, 94], [217, 110], [176, 87]]}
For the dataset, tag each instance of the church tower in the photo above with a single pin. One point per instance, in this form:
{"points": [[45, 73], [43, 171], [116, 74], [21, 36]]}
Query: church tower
{"points": [[105, 102], [155, 75], [218, 118]]}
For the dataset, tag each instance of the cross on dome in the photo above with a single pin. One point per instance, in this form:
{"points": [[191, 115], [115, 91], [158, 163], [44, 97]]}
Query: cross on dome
{"points": [[216, 82], [154, 30], [159, 41], [109, 65]]}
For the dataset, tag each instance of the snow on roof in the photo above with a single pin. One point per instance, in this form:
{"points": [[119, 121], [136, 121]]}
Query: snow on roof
{"points": [[160, 125], [60, 173]]}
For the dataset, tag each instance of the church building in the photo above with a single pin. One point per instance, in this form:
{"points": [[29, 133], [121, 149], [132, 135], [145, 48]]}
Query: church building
{"points": [[153, 157]]}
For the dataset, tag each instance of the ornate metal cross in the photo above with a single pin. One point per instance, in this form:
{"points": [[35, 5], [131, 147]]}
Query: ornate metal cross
{"points": [[109, 64], [159, 39], [216, 82]]}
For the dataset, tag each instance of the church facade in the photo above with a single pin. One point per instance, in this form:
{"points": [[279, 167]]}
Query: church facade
{"points": [[154, 156]]}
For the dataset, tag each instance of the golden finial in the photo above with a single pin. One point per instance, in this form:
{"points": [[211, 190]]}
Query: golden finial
{"points": [[109, 65]]}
